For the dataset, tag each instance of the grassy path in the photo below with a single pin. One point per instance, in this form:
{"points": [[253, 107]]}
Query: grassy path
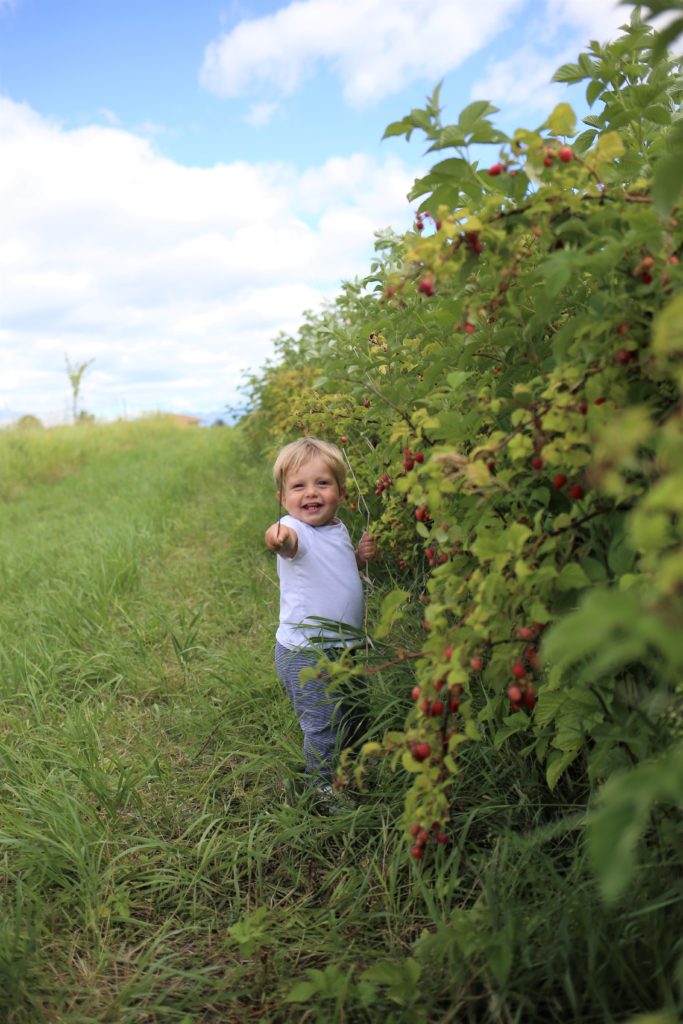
{"points": [[144, 744]]}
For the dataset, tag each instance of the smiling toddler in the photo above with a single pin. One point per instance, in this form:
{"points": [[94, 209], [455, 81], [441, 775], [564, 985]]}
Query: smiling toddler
{"points": [[321, 594]]}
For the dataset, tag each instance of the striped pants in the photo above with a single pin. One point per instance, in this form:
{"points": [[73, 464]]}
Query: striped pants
{"points": [[318, 710]]}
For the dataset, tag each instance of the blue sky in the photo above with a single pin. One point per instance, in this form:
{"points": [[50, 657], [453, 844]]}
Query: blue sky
{"points": [[180, 181]]}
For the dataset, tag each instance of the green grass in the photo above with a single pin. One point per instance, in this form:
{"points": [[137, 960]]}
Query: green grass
{"points": [[151, 866]]}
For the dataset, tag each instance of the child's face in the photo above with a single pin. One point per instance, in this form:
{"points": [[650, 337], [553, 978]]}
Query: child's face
{"points": [[311, 493]]}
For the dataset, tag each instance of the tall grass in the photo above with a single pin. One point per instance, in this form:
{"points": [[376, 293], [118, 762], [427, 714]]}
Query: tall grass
{"points": [[154, 865]]}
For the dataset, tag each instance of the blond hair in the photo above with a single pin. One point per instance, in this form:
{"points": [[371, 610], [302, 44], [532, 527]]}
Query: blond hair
{"points": [[295, 454]]}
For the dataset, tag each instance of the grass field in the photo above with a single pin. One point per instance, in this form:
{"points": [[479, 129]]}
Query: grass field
{"points": [[153, 866]]}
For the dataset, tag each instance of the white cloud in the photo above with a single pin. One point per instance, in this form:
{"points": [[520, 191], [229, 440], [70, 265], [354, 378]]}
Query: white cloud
{"points": [[589, 19], [261, 114], [375, 47], [174, 279], [556, 36]]}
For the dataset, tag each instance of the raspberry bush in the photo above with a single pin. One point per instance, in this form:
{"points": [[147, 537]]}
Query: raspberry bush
{"points": [[506, 383]]}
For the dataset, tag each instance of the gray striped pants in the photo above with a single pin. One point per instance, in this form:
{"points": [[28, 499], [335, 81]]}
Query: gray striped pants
{"points": [[318, 710]]}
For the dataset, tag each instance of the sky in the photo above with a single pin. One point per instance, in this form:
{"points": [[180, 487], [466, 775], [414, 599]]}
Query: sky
{"points": [[180, 182]]}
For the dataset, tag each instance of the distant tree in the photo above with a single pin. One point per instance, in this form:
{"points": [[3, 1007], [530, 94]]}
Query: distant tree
{"points": [[29, 422], [75, 374]]}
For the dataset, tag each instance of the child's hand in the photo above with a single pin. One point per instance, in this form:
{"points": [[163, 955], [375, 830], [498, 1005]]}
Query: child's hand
{"points": [[366, 550], [282, 540]]}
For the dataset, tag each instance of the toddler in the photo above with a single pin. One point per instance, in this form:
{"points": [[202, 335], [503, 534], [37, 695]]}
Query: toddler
{"points": [[321, 594]]}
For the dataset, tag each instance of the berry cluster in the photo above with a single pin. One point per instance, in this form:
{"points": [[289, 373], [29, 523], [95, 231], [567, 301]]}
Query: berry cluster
{"points": [[383, 484], [410, 458], [422, 837], [434, 557], [474, 242], [522, 692]]}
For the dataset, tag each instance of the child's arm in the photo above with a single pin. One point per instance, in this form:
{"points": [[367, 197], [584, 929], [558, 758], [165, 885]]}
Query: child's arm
{"points": [[366, 550], [282, 540]]}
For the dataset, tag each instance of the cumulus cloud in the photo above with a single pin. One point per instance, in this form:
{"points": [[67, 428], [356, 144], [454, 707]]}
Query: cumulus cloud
{"points": [[174, 279], [375, 47], [522, 81]]}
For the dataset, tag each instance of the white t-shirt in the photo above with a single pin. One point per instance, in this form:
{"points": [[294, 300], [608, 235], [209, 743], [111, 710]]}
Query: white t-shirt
{"points": [[320, 582]]}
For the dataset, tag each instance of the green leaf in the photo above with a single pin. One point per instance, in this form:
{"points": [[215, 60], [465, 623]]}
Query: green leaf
{"points": [[562, 120], [302, 992], [450, 136], [667, 332], [610, 145], [593, 91], [556, 272], [400, 979], [620, 817], [558, 762], [390, 608], [398, 128], [569, 73], [572, 577], [620, 556], [668, 183], [473, 113], [658, 113]]}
